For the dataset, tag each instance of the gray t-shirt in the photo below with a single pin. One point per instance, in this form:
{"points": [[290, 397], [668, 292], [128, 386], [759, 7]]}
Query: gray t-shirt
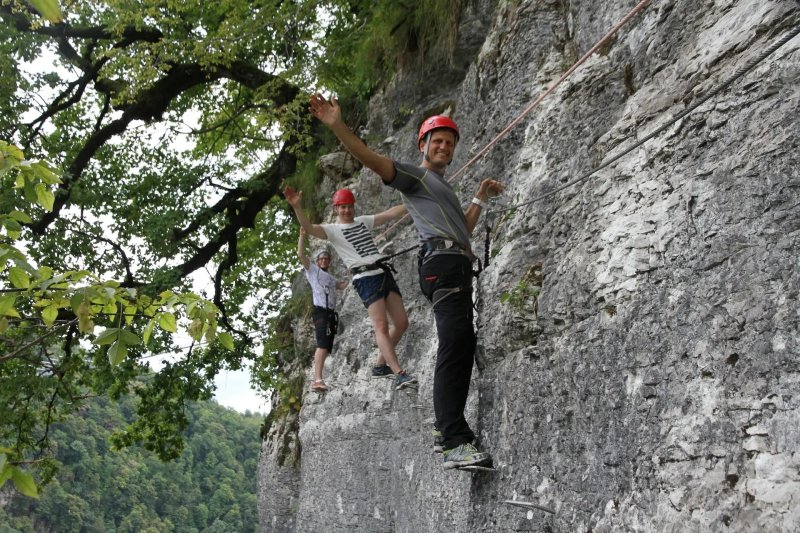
{"points": [[432, 204]]}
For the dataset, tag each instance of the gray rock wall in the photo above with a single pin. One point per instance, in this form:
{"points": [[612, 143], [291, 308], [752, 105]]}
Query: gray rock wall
{"points": [[638, 363]]}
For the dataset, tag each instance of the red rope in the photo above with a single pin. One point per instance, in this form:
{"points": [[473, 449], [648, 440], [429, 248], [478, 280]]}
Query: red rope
{"points": [[607, 37]]}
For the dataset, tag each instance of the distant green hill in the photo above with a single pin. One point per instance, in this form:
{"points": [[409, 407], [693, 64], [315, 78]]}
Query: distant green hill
{"points": [[210, 488]]}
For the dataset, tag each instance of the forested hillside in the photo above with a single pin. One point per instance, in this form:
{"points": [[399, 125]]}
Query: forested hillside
{"points": [[210, 487]]}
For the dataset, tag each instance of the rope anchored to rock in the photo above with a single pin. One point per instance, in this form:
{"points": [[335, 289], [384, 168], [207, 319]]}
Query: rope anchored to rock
{"points": [[714, 92]]}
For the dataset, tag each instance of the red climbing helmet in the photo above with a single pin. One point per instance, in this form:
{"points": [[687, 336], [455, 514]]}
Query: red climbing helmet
{"points": [[343, 197], [434, 123]]}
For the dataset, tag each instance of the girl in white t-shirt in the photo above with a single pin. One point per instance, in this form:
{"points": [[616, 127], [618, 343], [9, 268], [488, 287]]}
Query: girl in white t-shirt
{"points": [[352, 240]]}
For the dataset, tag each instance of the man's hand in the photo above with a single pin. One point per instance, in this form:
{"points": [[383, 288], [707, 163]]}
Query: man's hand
{"points": [[489, 188], [328, 112], [292, 196]]}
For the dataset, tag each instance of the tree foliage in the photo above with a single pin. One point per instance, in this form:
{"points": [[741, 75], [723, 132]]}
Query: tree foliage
{"points": [[42, 378]]}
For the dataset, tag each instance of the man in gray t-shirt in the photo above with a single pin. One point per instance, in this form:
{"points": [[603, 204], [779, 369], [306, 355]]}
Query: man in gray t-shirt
{"points": [[445, 263]]}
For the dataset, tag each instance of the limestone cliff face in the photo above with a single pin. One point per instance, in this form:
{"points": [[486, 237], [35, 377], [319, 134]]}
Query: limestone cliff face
{"points": [[638, 365]]}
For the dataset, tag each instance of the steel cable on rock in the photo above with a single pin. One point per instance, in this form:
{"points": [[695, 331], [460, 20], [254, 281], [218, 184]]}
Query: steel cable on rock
{"points": [[714, 92], [604, 40]]}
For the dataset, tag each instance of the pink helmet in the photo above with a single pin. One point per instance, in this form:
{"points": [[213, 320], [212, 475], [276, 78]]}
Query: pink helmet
{"points": [[434, 123], [343, 197]]}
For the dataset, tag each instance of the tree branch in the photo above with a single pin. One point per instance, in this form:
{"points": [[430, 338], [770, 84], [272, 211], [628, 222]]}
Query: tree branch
{"points": [[15, 353], [126, 263], [129, 33], [150, 106], [244, 209]]}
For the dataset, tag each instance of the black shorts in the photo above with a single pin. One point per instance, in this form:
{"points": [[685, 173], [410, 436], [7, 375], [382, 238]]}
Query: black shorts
{"points": [[325, 323]]}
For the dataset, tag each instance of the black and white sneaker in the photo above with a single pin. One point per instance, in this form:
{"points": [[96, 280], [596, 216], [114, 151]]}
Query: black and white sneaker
{"points": [[404, 380], [438, 440], [382, 371]]}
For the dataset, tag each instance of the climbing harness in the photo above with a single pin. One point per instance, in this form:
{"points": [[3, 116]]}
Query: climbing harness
{"points": [[331, 316], [433, 245], [401, 252], [383, 263]]}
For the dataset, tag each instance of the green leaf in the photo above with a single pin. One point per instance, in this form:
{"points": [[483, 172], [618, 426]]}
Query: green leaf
{"points": [[128, 337], [6, 303], [110, 308], [77, 275], [5, 474], [19, 216], [19, 278], [130, 312], [12, 226], [28, 190], [116, 353], [49, 314], [3, 325], [21, 262], [107, 337], [149, 330], [167, 322], [226, 339], [24, 482], [76, 300], [190, 307], [196, 329], [45, 173], [211, 330], [85, 324], [44, 196], [48, 9]]}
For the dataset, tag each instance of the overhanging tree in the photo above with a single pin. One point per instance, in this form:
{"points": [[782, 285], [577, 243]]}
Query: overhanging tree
{"points": [[172, 125]]}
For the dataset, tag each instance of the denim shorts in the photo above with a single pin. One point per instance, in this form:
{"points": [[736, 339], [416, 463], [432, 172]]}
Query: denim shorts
{"points": [[373, 288]]}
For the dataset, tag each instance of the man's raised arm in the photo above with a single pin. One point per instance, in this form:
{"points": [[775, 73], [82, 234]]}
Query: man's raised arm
{"points": [[330, 114]]}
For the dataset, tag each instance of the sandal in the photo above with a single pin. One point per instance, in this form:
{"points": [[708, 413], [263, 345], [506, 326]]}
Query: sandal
{"points": [[319, 386]]}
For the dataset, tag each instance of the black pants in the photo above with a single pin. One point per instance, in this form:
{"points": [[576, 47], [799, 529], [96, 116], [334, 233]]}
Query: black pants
{"points": [[456, 352]]}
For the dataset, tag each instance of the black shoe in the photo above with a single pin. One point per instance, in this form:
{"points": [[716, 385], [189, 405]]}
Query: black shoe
{"points": [[382, 371]]}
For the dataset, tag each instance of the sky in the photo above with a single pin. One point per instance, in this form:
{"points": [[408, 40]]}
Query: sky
{"points": [[233, 390]]}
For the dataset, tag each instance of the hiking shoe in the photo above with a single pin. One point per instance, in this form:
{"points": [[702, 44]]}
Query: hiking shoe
{"points": [[465, 455], [319, 386], [382, 371], [438, 440], [403, 380]]}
